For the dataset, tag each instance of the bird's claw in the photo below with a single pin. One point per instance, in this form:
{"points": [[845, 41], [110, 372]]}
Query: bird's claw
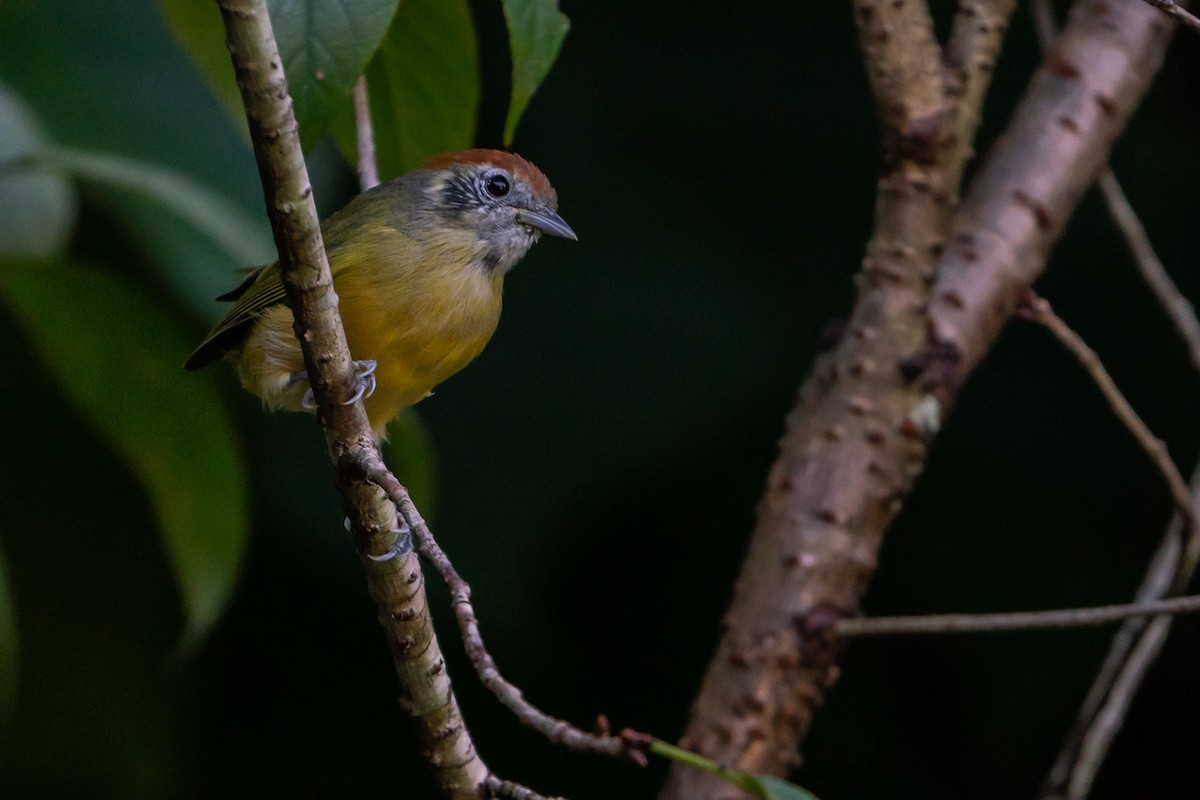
{"points": [[364, 384], [364, 373]]}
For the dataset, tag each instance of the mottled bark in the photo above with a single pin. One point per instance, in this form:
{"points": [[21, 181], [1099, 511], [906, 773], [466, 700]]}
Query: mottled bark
{"points": [[937, 285]]}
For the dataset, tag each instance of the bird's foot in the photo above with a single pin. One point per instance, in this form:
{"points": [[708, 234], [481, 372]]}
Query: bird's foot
{"points": [[364, 383], [364, 380]]}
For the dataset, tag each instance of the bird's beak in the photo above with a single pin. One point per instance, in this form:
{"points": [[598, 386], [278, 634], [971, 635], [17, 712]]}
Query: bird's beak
{"points": [[547, 222]]}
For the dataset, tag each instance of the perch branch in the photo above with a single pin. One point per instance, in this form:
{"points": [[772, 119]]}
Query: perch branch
{"points": [[393, 574]]}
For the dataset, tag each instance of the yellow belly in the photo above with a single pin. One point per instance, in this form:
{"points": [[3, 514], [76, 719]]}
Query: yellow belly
{"points": [[412, 363], [420, 331]]}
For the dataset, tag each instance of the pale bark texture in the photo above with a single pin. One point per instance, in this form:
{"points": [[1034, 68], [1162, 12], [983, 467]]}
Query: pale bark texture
{"points": [[393, 573], [939, 280]]}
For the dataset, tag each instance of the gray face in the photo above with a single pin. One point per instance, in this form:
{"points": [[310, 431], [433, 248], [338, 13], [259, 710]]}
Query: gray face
{"points": [[504, 210]]}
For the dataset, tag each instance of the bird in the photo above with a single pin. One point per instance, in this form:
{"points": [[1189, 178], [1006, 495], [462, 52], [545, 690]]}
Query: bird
{"points": [[418, 264]]}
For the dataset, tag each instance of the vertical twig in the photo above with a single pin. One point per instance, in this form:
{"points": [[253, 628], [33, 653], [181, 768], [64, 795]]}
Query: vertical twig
{"points": [[364, 137]]}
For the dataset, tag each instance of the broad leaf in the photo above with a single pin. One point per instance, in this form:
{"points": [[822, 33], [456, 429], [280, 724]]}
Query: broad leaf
{"points": [[37, 208], [116, 353], [245, 239], [536, 29], [199, 218], [325, 46], [423, 84]]}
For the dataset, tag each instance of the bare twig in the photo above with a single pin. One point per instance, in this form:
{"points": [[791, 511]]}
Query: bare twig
{"points": [[628, 745], [1178, 13], [1139, 641], [1181, 312], [1038, 310], [1133, 650], [364, 130], [1014, 621]]}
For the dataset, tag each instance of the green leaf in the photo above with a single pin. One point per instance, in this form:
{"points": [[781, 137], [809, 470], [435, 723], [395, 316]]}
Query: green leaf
{"points": [[116, 353], [37, 209], [424, 87], [536, 29], [9, 651], [244, 238], [325, 46], [206, 227]]}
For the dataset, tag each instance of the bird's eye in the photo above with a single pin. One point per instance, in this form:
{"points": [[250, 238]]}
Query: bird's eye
{"points": [[496, 185]]}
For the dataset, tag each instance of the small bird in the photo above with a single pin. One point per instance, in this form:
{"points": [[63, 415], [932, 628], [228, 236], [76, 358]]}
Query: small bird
{"points": [[418, 264]]}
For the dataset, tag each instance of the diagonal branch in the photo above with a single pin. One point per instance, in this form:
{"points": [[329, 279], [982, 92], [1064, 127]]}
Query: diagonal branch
{"points": [[1039, 310], [1136, 646], [859, 434], [393, 574]]}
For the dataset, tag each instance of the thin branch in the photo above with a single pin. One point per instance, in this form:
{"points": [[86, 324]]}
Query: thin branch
{"points": [[1038, 310], [628, 745], [393, 573], [1111, 716], [1134, 648], [1178, 13], [364, 136], [1014, 621], [1181, 312], [1138, 642]]}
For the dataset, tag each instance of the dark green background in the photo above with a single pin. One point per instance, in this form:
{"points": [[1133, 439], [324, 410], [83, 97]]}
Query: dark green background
{"points": [[599, 465]]}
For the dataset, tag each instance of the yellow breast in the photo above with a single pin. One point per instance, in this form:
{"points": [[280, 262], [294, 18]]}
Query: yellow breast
{"points": [[421, 311]]}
